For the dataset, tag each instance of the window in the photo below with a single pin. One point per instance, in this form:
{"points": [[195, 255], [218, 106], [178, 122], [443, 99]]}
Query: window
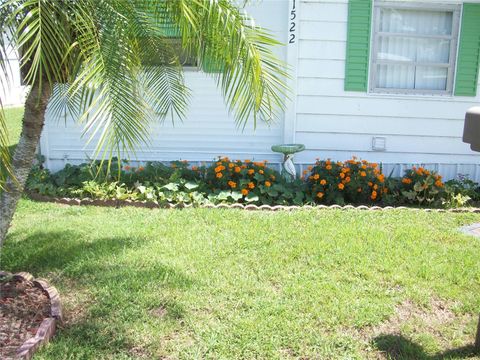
{"points": [[414, 48]]}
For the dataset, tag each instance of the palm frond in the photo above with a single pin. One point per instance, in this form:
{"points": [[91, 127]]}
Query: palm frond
{"points": [[224, 38]]}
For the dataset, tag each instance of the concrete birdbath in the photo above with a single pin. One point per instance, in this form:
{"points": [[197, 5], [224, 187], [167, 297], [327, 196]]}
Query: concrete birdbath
{"points": [[288, 151]]}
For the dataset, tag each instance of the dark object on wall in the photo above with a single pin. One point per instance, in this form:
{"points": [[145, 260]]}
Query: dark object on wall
{"points": [[471, 135], [471, 129]]}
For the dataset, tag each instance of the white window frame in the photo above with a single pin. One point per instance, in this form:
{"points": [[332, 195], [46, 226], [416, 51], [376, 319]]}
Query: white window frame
{"points": [[376, 34]]}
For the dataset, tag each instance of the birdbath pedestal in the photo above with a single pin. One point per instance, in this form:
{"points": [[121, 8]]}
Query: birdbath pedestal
{"points": [[288, 151]]}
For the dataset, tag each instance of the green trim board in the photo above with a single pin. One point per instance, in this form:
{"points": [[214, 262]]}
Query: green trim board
{"points": [[358, 45], [468, 60]]}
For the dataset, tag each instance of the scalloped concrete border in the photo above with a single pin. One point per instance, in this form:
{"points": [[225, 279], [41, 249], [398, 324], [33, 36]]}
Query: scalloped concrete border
{"points": [[155, 205], [48, 326]]}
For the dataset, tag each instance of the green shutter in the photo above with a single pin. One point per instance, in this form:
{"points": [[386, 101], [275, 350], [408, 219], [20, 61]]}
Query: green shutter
{"points": [[358, 45], [468, 52]]}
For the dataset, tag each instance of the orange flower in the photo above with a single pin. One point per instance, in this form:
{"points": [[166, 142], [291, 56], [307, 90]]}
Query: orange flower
{"points": [[381, 178], [237, 169], [248, 161], [370, 183], [347, 179], [363, 173], [359, 189], [251, 171], [385, 190], [320, 195], [438, 183], [243, 166], [342, 175], [323, 182], [231, 165], [305, 172], [126, 168], [272, 177], [219, 175], [316, 177], [345, 170], [260, 171], [310, 168], [341, 186], [375, 187], [329, 167], [268, 183], [194, 168], [251, 185], [232, 184], [407, 181], [140, 168], [244, 192], [328, 162], [374, 195]]}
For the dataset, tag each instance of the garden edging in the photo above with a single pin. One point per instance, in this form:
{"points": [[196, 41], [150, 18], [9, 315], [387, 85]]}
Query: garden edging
{"points": [[48, 326], [154, 205]]}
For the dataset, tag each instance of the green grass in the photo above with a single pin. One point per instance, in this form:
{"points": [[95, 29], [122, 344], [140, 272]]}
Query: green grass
{"points": [[238, 284], [202, 283], [13, 118]]}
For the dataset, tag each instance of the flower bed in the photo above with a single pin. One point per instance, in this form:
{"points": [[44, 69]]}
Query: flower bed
{"points": [[225, 181]]}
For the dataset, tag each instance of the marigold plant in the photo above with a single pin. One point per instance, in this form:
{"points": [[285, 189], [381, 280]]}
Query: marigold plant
{"points": [[245, 180], [353, 181]]}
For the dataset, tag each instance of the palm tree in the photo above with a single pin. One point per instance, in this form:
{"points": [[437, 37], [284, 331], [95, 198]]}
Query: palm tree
{"points": [[92, 59]]}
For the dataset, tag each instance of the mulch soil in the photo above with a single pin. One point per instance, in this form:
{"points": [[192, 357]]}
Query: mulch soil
{"points": [[23, 306]]}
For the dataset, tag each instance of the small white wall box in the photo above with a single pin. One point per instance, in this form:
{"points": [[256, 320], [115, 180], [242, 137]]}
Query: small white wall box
{"points": [[379, 143]]}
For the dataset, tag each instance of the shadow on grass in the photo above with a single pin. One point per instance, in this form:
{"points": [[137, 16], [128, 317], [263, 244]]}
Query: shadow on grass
{"points": [[398, 347], [108, 288]]}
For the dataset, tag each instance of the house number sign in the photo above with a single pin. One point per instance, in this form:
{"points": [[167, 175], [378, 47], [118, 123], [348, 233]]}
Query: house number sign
{"points": [[292, 24]]}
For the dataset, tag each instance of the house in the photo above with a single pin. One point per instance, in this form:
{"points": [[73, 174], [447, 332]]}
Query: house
{"points": [[387, 81]]}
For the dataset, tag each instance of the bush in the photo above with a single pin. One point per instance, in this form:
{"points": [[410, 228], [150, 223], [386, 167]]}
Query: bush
{"points": [[253, 182], [353, 181], [420, 186]]}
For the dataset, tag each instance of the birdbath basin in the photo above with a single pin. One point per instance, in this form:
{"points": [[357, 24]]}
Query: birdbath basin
{"points": [[288, 151]]}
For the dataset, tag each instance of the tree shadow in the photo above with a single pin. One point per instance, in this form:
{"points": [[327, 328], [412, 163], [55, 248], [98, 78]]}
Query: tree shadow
{"points": [[398, 347], [115, 293]]}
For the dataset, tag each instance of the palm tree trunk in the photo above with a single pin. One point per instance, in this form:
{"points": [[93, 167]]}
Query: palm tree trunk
{"points": [[33, 120]]}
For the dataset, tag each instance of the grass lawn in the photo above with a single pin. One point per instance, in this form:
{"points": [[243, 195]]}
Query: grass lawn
{"points": [[14, 125], [202, 283]]}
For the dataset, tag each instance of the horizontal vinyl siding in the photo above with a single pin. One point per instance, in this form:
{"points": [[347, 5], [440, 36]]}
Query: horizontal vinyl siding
{"points": [[335, 123], [207, 131]]}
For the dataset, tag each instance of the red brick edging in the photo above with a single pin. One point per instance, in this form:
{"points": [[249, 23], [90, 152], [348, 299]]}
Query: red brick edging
{"points": [[48, 326], [155, 205]]}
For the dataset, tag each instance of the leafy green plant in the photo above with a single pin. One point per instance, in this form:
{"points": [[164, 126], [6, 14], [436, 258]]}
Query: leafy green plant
{"points": [[420, 186], [461, 192]]}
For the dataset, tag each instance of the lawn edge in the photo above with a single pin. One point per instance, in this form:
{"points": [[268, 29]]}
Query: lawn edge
{"points": [[155, 205]]}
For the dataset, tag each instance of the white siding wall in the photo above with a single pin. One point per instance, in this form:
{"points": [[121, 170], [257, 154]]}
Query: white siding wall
{"points": [[208, 130], [14, 93], [337, 124]]}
